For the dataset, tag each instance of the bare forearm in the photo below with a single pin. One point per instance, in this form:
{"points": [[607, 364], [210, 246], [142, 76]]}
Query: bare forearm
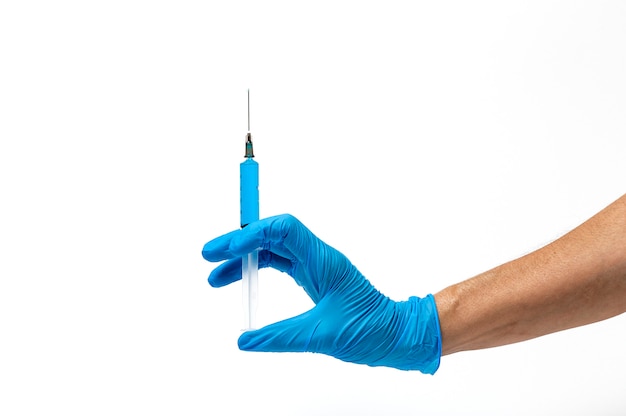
{"points": [[576, 280]]}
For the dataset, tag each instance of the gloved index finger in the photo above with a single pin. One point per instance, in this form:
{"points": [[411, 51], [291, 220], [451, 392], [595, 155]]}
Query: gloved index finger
{"points": [[282, 234], [218, 249]]}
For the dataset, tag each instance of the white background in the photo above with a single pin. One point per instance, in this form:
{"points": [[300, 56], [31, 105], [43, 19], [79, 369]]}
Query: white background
{"points": [[428, 141]]}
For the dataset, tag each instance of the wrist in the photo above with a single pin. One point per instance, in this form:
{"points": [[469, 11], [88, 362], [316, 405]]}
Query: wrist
{"points": [[418, 340]]}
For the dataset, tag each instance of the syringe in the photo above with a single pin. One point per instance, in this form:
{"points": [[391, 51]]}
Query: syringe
{"points": [[249, 193]]}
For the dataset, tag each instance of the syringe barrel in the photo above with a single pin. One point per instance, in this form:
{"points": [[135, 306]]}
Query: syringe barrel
{"points": [[249, 192], [250, 288]]}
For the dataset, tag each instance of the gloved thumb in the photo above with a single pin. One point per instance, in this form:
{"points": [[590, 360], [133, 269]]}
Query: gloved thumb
{"points": [[291, 335]]}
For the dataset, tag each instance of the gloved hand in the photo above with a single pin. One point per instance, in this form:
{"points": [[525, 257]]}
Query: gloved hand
{"points": [[352, 321]]}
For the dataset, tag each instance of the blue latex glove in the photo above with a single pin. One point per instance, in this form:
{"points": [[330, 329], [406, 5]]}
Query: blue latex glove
{"points": [[352, 321]]}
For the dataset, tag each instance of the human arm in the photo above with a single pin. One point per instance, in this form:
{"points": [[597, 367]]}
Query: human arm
{"points": [[576, 280]]}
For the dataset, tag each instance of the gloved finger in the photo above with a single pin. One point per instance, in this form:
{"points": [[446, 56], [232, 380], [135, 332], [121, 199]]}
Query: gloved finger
{"points": [[218, 249], [291, 335], [226, 273], [230, 271], [269, 259], [282, 234]]}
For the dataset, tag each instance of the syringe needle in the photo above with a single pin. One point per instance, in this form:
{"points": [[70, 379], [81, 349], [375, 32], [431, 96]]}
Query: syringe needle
{"points": [[249, 148], [248, 110]]}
